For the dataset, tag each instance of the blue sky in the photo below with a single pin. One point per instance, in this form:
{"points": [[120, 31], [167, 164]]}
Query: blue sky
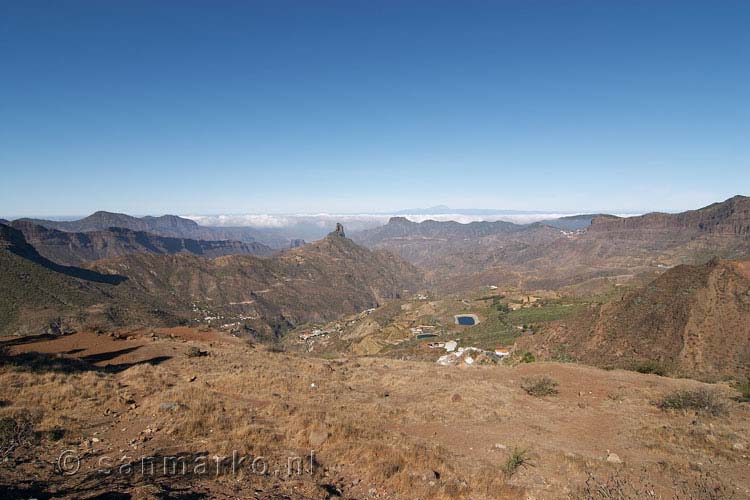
{"points": [[232, 107]]}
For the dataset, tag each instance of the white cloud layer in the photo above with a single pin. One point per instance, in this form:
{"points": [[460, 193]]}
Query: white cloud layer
{"points": [[358, 221]]}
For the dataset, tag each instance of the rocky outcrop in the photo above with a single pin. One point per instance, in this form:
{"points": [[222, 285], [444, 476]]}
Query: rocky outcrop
{"points": [[731, 218]]}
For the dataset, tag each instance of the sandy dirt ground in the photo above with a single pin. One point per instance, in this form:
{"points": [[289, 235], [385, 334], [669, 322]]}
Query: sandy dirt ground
{"points": [[376, 428]]}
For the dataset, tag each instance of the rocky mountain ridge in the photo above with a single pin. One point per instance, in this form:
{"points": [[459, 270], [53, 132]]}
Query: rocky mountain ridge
{"points": [[262, 296], [691, 320], [75, 248]]}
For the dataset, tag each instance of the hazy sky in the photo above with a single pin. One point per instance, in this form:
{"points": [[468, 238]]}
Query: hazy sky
{"points": [[361, 106]]}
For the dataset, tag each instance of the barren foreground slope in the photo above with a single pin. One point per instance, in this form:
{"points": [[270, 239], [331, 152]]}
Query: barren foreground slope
{"points": [[377, 428]]}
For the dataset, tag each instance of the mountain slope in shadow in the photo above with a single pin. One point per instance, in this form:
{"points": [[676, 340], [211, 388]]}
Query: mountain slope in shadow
{"points": [[14, 242]]}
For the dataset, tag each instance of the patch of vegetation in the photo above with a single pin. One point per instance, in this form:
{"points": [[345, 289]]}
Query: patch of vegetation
{"points": [[276, 347], [539, 386], [502, 308], [700, 400], [527, 358], [195, 352], [744, 387], [561, 355], [490, 333], [543, 313], [518, 458], [651, 367], [17, 431]]}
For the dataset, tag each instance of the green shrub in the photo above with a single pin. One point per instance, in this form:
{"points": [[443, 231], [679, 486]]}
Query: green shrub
{"points": [[652, 367], [539, 386], [744, 387], [503, 308], [699, 400], [527, 358], [517, 459]]}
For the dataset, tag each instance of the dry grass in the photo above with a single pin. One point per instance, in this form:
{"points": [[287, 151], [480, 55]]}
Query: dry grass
{"points": [[278, 405], [621, 486]]}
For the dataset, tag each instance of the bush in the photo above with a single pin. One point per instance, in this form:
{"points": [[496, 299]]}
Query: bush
{"points": [[527, 358], [276, 347], [518, 458], [539, 386], [195, 352], [744, 388], [652, 367], [17, 431], [699, 400]]}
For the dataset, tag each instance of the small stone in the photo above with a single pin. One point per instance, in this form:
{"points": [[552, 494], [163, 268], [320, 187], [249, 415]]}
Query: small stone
{"points": [[614, 459], [95, 440], [169, 406], [317, 437], [499, 446], [456, 398], [738, 446]]}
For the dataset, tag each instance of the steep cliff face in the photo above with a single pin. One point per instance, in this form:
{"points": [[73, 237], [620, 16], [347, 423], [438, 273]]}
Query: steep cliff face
{"points": [[74, 248], [731, 217]]}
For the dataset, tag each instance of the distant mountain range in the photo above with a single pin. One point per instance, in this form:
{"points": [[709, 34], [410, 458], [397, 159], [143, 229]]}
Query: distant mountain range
{"points": [[74, 248], [166, 225], [315, 282], [552, 253], [445, 210], [401, 227]]}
